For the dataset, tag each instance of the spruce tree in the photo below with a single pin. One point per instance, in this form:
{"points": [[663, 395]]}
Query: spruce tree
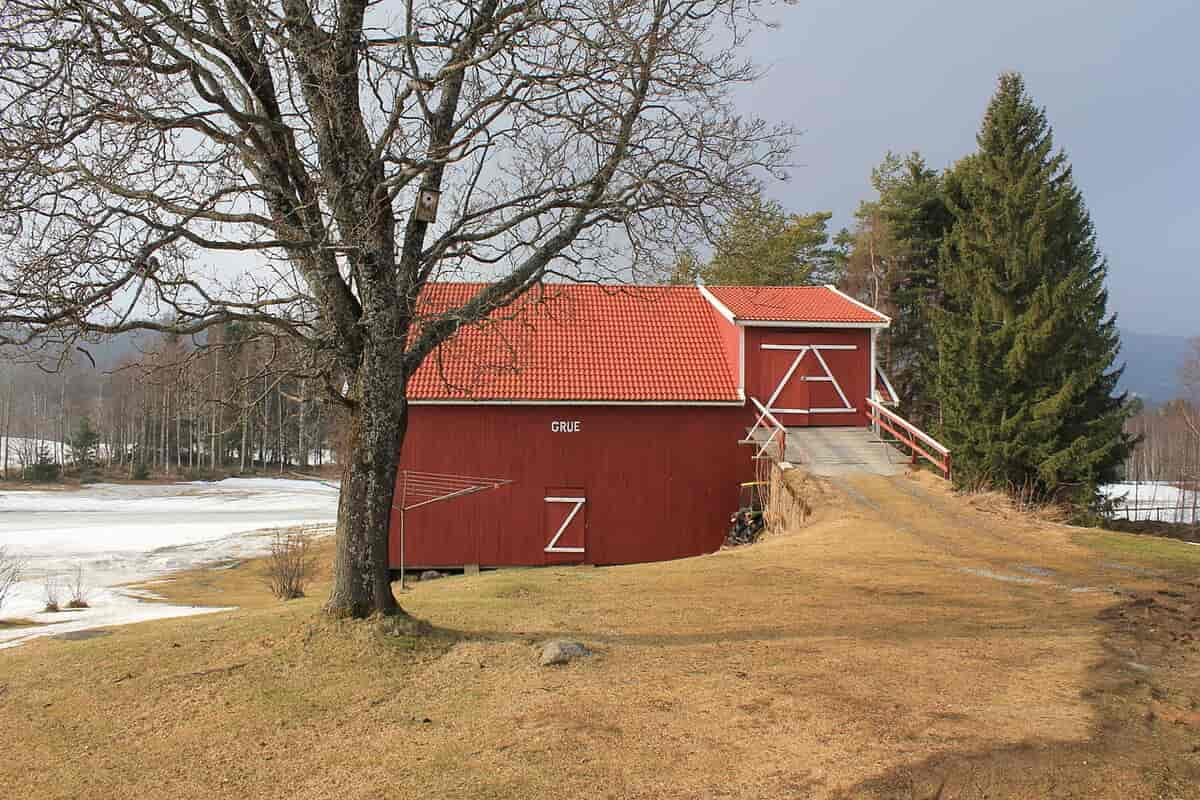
{"points": [[1025, 375], [912, 213]]}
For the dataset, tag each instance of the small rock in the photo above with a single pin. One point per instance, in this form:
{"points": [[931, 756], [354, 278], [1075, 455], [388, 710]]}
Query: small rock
{"points": [[431, 575], [560, 651]]}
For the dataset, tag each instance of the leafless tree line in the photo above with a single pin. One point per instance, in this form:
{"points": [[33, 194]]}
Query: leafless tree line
{"points": [[1169, 450], [238, 400], [1170, 447]]}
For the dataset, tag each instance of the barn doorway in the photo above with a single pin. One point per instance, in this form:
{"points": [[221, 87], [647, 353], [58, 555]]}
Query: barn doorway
{"points": [[565, 525], [804, 386]]}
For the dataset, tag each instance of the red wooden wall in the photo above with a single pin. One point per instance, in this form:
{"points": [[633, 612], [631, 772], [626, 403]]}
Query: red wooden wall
{"points": [[660, 482]]}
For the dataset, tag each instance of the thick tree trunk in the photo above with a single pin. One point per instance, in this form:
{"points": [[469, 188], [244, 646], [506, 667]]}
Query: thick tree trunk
{"points": [[361, 578]]}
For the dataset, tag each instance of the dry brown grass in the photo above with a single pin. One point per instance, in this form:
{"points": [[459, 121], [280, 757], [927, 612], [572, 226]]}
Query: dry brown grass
{"points": [[842, 659], [18, 622]]}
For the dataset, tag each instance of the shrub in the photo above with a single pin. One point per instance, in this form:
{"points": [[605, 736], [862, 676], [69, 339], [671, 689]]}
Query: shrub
{"points": [[289, 565], [44, 469], [77, 590], [140, 471], [11, 568], [50, 593]]}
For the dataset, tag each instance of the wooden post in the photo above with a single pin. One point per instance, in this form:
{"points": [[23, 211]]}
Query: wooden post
{"points": [[403, 502]]}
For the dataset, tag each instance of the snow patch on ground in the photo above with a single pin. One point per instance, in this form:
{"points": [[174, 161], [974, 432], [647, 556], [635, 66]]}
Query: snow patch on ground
{"points": [[128, 533], [23, 451], [1157, 501]]}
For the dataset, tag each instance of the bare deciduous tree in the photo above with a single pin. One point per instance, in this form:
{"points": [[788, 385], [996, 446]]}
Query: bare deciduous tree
{"points": [[145, 143], [11, 568]]}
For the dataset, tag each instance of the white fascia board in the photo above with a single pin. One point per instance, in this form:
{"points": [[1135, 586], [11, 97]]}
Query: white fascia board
{"points": [[758, 323], [698, 403], [721, 308], [874, 363], [741, 362], [858, 303]]}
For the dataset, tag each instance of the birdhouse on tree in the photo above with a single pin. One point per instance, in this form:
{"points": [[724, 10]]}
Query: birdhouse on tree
{"points": [[427, 205]]}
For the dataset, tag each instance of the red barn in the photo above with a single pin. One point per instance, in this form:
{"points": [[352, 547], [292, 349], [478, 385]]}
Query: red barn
{"points": [[616, 414]]}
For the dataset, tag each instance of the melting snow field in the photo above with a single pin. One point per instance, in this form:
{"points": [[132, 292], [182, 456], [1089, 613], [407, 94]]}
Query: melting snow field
{"points": [[125, 533], [1153, 500]]}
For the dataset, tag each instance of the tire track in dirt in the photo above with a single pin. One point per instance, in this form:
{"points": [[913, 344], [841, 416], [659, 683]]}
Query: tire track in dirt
{"points": [[1145, 741], [911, 509]]}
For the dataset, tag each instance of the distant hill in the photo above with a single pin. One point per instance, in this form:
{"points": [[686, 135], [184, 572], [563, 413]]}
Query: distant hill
{"points": [[106, 351], [109, 351], [1152, 365]]}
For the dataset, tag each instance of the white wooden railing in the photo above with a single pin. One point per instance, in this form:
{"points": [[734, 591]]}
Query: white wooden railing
{"points": [[777, 436]]}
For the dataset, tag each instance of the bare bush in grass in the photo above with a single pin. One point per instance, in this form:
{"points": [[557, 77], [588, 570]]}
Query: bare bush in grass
{"points": [[289, 565], [77, 589], [11, 568], [51, 593]]}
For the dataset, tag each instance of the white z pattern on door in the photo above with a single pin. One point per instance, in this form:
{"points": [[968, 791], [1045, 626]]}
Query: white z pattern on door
{"points": [[554, 546]]}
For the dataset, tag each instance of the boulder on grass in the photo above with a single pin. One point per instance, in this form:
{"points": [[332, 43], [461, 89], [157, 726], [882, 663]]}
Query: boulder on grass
{"points": [[561, 651]]}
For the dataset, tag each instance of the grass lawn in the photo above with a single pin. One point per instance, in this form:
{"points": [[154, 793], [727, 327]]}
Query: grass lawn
{"points": [[1156, 552], [903, 639]]}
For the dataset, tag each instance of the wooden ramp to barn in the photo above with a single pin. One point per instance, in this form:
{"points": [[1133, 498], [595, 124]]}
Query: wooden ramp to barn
{"points": [[842, 451]]}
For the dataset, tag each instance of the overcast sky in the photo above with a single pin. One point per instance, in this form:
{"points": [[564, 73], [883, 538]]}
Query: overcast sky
{"points": [[1120, 82]]}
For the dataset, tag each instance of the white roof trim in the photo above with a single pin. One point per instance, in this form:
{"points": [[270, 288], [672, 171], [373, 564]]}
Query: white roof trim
{"points": [[494, 402], [725, 312], [861, 305], [763, 323], [721, 308]]}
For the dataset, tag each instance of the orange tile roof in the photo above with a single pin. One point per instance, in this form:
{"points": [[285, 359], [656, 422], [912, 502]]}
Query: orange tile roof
{"points": [[579, 342], [800, 304]]}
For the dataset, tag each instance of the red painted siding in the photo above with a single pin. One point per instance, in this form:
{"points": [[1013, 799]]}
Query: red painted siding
{"points": [[852, 368], [660, 481], [731, 345]]}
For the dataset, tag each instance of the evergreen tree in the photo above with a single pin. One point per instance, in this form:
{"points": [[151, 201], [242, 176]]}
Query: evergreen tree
{"points": [[84, 442], [762, 244], [1026, 346], [893, 265], [912, 204]]}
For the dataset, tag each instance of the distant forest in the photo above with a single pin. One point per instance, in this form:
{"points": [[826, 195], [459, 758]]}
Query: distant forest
{"points": [[236, 400]]}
